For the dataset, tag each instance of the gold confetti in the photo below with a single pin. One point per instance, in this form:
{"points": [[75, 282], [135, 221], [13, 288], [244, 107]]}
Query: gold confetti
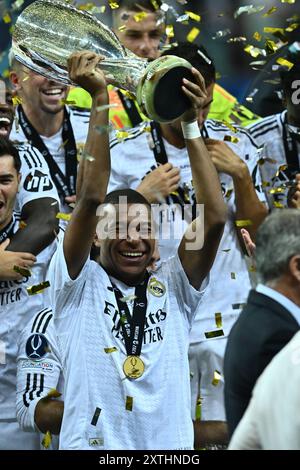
{"points": [[230, 126], [198, 408], [231, 138], [233, 275], [252, 269], [6, 18], [63, 216], [292, 27], [170, 31], [16, 100], [218, 319], [278, 205], [110, 350], [213, 334], [217, 378], [23, 271], [38, 289], [254, 51], [193, 34], [243, 223], [122, 27], [140, 16], [288, 1], [70, 102], [271, 46], [155, 4], [277, 190], [22, 224], [47, 439], [270, 12], [257, 36], [285, 63], [113, 5], [193, 16], [53, 393], [273, 30], [122, 135], [129, 403]]}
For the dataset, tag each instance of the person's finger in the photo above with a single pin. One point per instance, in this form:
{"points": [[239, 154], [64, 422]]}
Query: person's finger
{"points": [[189, 94], [298, 177], [5, 244], [166, 166], [199, 78], [174, 172], [173, 188], [194, 88], [174, 180], [27, 257]]}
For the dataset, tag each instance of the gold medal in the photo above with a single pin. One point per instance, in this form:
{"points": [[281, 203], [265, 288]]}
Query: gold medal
{"points": [[133, 367]]}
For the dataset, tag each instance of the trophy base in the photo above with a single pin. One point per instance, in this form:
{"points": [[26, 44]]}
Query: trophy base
{"points": [[159, 92]]}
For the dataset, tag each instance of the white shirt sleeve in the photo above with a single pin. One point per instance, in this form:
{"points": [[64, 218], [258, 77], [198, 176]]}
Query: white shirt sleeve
{"points": [[38, 370], [246, 435], [36, 182], [187, 296]]}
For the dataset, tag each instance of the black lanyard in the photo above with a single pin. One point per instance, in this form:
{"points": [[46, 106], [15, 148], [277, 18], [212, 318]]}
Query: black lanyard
{"points": [[133, 326], [8, 231], [291, 151], [131, 109], [65, 184]]}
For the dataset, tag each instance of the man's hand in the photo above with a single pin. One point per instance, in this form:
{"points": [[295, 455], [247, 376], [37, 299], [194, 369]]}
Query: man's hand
{"points": [[160, 183], [223, 157], [196, 92], [9, 259], [83, 70], [249, 244], [294, 194]]}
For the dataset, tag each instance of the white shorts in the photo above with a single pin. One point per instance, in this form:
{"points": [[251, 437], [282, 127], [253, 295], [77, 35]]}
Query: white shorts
{"points": [[13, 438], [205, 358]]}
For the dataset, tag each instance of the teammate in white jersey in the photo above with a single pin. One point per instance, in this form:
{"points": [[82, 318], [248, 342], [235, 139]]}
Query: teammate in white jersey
{"points": [[156, 163], [279, 135], [56, 130], [39, 377], [17, 306], [128, 388]]}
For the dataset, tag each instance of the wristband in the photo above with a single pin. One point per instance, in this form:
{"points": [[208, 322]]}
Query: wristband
{"points": [[190, 130]]}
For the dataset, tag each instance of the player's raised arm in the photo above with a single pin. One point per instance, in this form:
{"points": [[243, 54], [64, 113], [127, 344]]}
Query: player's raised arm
{"points": [[197, 257], [94, 167]]}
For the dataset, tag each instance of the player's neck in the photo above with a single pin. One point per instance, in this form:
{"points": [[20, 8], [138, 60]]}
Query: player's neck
{"points": [[129, 280], [46, 124], [172, 136]]}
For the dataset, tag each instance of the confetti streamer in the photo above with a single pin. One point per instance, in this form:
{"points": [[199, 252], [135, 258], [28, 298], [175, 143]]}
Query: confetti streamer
{"points": [[288, 1], [170, 31], [17, 4], [193, 16], [140, 16], [257, 36], [47, 439], [110, 350], [183, 19], [6, 18], [68, 102], [221, 33], [217, 378], [23, 271], [243, 223], [254, 51], [38, 289], [191, 36], [233, 275], [249, 9], [231, 138], [113, 5], [218, 319], [232, 128], [122, 27], [285, 63], [129, 403], [16, 100], [237, 39], [269, 12], [292, 27], [213, 334], [63, 216]]}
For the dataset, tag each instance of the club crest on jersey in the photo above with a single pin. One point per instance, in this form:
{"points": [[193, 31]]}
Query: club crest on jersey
{"points": [[36, 346], [156, 287]]}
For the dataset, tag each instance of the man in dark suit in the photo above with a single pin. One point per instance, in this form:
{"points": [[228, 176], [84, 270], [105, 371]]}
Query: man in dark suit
{"points": [[271, 316]]}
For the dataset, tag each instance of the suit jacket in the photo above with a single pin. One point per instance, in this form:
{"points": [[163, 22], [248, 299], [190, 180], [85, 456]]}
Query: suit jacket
{"points": [[261, 331]]}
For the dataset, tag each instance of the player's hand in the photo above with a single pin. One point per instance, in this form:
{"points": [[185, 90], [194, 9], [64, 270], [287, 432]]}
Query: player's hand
{"points": [[224, 158], [160, 183], [249, 244], [196, 93], [294, 194], [71, 200], [83, 70], [9, 259]]}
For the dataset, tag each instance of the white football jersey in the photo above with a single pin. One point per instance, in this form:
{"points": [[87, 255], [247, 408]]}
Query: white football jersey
{"points": [[80, 123], [17, 309], [229, 284], [38, 367], [103, 408], [269, 134], [36, 181]]}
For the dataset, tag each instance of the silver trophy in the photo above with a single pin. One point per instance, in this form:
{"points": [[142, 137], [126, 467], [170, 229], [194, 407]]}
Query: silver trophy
{"points": [[48, 32]]}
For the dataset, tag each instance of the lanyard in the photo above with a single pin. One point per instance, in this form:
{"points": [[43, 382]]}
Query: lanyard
{"points": [[65, 184], [131, 109], [291, 151], [8, 231], [133, 326]]}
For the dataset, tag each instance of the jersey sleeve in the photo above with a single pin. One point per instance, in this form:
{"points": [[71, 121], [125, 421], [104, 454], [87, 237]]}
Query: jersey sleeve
{"points": [[36, 182], [38, 367], [188, 298]]}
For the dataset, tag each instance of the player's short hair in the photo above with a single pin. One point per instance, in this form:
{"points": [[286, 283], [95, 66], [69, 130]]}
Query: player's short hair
{"points": [[8, 148], [138, 5], [198, 57], [133, 197]]}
